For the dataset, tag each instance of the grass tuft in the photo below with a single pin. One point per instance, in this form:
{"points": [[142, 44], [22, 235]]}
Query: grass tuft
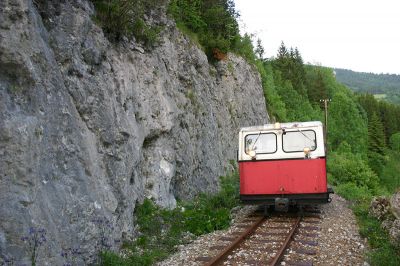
{"points": [[162, 231], [382, 251]]}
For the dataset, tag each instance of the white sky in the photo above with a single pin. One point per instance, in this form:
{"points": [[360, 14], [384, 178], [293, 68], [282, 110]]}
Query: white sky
{"points": [[352, 34]]}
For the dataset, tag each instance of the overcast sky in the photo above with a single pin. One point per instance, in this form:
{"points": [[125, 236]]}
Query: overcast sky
{"points": [[352, 34]]}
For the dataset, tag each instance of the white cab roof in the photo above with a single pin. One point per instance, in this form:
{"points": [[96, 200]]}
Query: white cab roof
{"points": [[291, 125]]}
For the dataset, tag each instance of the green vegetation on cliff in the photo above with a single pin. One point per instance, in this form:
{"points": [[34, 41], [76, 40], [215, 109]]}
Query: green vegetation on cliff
{"points": [[121, 18], [213, 22], [213, 25], [162, 231]]}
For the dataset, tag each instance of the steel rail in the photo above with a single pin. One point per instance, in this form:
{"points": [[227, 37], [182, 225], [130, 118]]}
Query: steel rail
{"points": [[224, 253], [285, 245]]}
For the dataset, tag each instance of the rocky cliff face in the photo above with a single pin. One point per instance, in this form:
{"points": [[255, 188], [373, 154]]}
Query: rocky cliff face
{"points": [[89, 129]]}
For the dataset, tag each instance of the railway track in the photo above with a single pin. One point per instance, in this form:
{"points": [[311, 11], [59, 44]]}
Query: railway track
{"points": [[282, 239]]}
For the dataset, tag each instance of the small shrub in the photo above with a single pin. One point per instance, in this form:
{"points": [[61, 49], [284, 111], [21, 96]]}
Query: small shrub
{"points": [[244, 47], [212, 24], [161, 231], [149, 36], [382, 252], [104, 242], [192, 97], [390, 176], [15, 89], [346, 167], [120, 18], [351, 191], [111, 258]]}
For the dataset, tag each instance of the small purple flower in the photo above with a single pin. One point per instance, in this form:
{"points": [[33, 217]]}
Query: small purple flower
{"points": [[35, 238], [7, 260], [71, 256]]}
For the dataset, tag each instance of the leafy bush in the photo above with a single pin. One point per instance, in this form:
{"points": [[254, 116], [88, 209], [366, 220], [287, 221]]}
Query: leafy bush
{"points": [[276, 107], [351, 191], [213, 24], [162, 230], [346, 122], [208, 213], [120, 18], [149, 36], [347, 167], [244, 47]]}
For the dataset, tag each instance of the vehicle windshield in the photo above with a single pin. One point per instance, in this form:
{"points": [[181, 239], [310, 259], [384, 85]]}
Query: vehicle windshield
{"points": [[296, 141], [261, 143]]}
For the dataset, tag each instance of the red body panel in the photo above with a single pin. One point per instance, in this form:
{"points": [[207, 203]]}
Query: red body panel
{"points": [[300, 176]]}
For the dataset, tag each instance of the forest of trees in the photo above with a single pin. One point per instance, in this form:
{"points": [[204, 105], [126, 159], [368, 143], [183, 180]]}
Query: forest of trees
{"points": [[386, 86], [361, 128], [363, 135]]}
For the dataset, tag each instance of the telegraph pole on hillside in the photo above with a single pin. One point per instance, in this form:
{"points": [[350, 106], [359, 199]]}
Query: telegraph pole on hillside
{"points": [[325, 101]]}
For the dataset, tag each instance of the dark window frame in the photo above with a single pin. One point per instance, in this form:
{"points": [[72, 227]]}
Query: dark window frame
{"points": [[297, 131], [268, 133]]}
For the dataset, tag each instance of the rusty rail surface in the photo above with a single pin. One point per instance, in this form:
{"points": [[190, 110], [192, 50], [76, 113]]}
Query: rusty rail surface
{"points": [[224, 253], [285, 245]]}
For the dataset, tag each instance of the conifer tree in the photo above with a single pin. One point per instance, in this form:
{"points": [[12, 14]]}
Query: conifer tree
{"points": [[282, 52], [346, 122], [259, 50], [290, 64], [395, 142], [317, 89], [376, 135], [376, 143], [298, 72]]}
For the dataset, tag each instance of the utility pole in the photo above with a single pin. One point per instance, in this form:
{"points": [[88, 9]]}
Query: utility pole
{"points": [[325, 101]]}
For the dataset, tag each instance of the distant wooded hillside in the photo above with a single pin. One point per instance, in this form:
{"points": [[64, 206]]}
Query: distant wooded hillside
{"points": [[386, 86]]}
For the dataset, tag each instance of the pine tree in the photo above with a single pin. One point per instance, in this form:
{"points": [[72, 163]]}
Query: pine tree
{"points": [[376, 143], [317, 89], [282, 52], [346, 122], [298, 72], [395, 142], [388, 117], [259, 50], [290, 64]]}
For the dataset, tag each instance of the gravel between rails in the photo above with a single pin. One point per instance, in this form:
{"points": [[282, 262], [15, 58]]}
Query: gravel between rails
{"points": [[339, 242]]}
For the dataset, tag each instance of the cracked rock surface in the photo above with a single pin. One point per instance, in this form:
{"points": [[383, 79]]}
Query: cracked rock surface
{"points": [[89, 128]]}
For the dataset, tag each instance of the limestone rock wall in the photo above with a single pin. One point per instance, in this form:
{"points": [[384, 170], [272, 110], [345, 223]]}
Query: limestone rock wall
{"points": [[89, 129]]}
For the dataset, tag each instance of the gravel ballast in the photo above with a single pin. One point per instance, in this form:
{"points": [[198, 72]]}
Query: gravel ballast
{"points": [[339, 242]]}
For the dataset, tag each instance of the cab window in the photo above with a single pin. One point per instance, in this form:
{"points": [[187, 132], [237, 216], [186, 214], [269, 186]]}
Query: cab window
{"points": [[296, 141], [261, 143]]}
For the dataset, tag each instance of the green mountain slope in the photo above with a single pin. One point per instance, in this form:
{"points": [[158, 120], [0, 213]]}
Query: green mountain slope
{"points": [[386, 86]]}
